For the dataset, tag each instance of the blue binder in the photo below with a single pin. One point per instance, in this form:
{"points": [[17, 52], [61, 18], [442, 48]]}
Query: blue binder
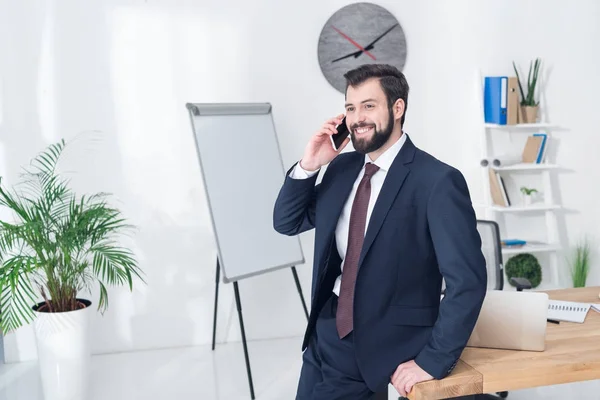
{"points": [[495, 98]]}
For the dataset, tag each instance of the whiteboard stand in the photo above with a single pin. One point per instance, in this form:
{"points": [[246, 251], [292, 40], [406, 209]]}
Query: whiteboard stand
{"points": [[238, 304], [242, 171]]}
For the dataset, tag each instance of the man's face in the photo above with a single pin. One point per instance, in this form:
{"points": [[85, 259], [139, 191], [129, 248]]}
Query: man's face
{"points": [[368, 116]]}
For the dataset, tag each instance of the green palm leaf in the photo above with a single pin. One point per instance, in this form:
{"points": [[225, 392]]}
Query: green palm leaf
{"points": [[59, 244], [16, 293]]}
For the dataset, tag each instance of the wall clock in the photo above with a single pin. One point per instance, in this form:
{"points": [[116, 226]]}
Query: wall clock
{"points": [[360, 33]]}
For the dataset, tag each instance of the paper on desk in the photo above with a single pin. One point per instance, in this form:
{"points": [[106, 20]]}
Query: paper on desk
{"points": [[568, 311]]}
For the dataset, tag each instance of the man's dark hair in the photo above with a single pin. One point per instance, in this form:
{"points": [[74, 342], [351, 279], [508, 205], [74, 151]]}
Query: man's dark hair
{"points": [[393, 82]]}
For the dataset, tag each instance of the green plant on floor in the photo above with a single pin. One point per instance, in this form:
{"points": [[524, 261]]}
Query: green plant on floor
{"points": [[524, 265], [532, 79], [580, 263], [527, 191], [58, 245]]}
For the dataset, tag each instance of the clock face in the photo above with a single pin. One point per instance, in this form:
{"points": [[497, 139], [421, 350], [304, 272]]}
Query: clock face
{"points": [[360, 33]]}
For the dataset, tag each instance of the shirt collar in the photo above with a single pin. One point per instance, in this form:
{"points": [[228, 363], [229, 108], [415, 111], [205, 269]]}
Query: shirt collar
{"points": [[385, 160]]}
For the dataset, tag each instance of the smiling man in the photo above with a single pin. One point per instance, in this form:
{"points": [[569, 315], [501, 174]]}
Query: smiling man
{"points": [[391, 222]]}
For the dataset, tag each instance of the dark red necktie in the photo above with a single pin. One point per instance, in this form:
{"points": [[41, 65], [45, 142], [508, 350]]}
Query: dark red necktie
{"points": [[356, 236]]}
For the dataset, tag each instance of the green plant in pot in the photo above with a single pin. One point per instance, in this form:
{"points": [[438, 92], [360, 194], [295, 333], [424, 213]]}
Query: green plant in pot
{"points": [[57, 246], [524, 265], [529, 105], [580, 263], [528, 194]]}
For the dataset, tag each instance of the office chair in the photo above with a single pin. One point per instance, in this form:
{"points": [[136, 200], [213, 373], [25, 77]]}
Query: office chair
{"points": [[492, 252]]}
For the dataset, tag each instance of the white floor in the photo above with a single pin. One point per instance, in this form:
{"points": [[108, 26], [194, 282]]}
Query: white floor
{"points": [[199, 373]]}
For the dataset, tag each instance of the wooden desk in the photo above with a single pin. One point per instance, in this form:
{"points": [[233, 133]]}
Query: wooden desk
{"points": [[572, 354]]}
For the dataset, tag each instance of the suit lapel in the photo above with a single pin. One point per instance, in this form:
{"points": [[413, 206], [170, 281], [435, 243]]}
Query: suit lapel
{"points": [[391, 186]]}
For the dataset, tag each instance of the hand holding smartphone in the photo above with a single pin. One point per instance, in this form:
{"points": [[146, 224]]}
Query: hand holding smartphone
{"points": [[326, 143], [337, 139]]}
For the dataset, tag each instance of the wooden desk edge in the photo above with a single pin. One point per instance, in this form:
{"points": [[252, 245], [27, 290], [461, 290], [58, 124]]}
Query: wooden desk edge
{"points": [[464, 380]]}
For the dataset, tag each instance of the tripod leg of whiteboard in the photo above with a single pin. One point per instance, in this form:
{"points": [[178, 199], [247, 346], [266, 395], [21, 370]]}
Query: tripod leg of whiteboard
{"points": [[299, 290], [239, 308], [216, 302]]}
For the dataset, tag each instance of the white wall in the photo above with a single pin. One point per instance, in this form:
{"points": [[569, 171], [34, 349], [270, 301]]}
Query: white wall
{"points": [[123, 70]]}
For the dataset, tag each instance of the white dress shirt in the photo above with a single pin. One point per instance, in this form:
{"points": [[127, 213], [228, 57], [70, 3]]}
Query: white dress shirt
{"points": [[384, 163]]}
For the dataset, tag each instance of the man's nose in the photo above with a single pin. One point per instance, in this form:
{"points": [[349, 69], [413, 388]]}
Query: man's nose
{"points": [[360, 117]]}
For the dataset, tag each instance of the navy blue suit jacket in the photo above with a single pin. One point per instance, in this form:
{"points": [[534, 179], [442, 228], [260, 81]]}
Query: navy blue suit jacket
{"points": [[422, 230]]}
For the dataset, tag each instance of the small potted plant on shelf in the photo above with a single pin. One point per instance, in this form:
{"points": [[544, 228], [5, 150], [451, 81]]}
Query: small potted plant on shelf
{"points": [[528, 111], [56, 246], [528, 195]]}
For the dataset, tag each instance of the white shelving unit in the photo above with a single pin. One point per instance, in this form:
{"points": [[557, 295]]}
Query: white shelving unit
{"points": [[525, 167], [522, 127], [548, 245], [525, 209], [532, 248]]}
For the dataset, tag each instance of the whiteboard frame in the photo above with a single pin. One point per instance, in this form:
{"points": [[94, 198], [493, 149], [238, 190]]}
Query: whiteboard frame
{"points": [[198, 109]]}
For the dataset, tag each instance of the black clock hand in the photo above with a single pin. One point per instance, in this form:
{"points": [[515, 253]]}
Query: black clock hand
{"points": [[370, 45], [355, 54]]}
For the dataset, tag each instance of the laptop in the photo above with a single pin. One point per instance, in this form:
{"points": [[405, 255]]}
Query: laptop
{"points": [[511, 320]]}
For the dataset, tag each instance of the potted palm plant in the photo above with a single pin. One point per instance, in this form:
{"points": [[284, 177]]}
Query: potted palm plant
{"points": [[529, 105], [57, 246]]}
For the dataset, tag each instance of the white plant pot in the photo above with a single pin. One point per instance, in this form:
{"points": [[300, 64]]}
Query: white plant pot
{"points": [[63, 353], [527, 200]]}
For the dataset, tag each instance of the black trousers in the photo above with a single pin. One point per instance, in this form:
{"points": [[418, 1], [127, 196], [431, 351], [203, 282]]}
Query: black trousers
{"points": [[329, 369]]}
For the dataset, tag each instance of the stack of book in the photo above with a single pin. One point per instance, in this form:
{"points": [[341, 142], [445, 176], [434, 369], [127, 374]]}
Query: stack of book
{"points": [[498, 189], [534, 152], [535, 148]]}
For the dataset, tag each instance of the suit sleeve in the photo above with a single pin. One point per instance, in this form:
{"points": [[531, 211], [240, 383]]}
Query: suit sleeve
{"points": [[294, 210], [453, 228]]}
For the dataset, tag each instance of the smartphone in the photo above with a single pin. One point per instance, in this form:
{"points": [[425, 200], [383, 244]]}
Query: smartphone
{"points": [[342, 133]]}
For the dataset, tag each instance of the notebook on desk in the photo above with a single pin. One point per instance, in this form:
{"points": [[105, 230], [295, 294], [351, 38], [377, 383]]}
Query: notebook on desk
{"points": [[570, 311]]}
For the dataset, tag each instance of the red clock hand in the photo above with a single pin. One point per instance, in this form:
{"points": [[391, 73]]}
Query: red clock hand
{"points": [[353, 42]]}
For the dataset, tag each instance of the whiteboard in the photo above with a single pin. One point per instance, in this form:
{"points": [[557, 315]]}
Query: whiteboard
{"points": [[242, 171]]}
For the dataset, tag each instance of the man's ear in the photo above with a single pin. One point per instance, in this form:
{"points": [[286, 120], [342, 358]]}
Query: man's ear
{"points": [[398, 109]]}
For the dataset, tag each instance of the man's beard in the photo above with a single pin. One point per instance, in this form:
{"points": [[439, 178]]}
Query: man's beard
{"points": [[378, 138]]}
